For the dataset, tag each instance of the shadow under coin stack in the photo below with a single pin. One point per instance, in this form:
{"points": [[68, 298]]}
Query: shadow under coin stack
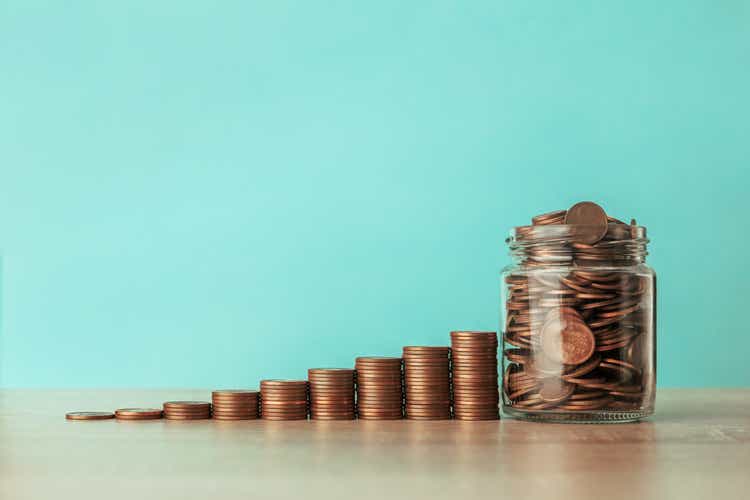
{"points": [[427, 382], [475, 388], [379, 388], [283, 399], [331, 393], [187, 410], [235, 404]]}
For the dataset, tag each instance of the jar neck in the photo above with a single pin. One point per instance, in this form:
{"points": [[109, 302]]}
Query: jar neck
{"points": [[557, 246]]}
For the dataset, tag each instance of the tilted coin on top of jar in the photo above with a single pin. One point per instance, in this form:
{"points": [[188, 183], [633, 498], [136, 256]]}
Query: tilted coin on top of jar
{"points": [[579, 307]]}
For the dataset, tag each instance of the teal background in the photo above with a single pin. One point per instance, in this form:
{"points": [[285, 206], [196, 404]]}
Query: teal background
{"points": [[208, 193]]}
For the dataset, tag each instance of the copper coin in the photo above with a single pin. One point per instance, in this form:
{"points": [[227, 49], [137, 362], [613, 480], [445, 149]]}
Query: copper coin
{"points": [[568, 342], [236, 417], [374, 414], [206, 409], [380, 417], [556, 217], [555, 390], [283, 384], [331, 371], [237, 404], [427, 350], [333, 404], [377, 391], [375, 361], [139, 413], [236, 413], [586, 405], [333, 417], [592, 219], [472, 334], [187, 417], [284, 414], [187, 405], [235, 393], [282, 417], [89, 415]]}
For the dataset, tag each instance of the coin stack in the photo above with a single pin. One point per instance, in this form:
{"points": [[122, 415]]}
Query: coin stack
{"points": [[379, 388], [283, 399], [578, 329], [427, 382], [138, 414], [235, 404], [331, 393], [475, 387], [187, 410]]}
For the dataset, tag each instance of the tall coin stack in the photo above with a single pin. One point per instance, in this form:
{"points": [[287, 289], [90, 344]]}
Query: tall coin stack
{"points": [[283, 399], [187, 410], [475, 387], [427, 382], [235, 404], [379, 388], [331, 393]]}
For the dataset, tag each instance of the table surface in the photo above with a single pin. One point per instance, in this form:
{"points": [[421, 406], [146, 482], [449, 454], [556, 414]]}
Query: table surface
{"points": [[696, 446]]}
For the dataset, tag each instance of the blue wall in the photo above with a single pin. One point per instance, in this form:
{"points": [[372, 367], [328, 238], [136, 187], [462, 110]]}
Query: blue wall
{"points": [[204, 194]]}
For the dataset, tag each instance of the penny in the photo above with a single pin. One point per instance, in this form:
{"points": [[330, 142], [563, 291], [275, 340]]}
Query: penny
{"points": [[555, 390], [591, 218], [187, 405], [89, 415], [139, 413], [566, 341], [235, 393], [235, 417]]}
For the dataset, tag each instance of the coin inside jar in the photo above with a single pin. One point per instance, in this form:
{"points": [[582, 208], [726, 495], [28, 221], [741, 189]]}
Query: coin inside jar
{"points": [[567, 340]]}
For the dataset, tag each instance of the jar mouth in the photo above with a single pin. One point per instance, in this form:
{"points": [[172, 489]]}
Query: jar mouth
{"points": [[582, 245]]}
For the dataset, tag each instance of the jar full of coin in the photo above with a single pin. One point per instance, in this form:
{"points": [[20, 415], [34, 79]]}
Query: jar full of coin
{"points": [[579, 319]]}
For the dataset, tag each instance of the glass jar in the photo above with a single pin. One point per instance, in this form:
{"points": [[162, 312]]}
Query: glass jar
{"points": [[579, 323]]}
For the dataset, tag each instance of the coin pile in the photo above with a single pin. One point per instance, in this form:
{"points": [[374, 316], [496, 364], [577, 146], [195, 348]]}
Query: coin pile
{"points": [[331, 393], [578, 329], [283, 399], [475, 378], [379, 388], [138, 414], [427, 382], [187, 410], [237, 404]]}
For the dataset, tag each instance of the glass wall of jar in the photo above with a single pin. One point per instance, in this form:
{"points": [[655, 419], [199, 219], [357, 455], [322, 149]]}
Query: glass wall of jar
{"points": [[579, 323]]}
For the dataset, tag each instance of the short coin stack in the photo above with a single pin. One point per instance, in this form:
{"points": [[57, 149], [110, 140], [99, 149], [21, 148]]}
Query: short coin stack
{"points": [[379, 388], [475, 387], [235, 404], [187, 410], [331, 393], [138, 414], [283, 399], [427, 382]]}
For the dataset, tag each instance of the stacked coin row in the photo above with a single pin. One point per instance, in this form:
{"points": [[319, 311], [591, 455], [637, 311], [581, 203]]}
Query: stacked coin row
{"points": [[427, 382], [187, 410], [475, 379], [379, 388], [331, 393], [283, 399], [235, 404]]}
